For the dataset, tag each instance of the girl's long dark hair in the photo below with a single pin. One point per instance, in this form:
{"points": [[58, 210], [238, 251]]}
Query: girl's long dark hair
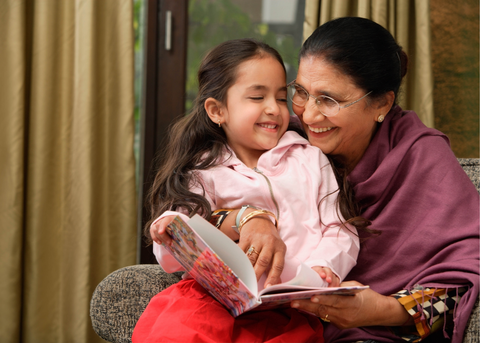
{"points": [[194, 141]]}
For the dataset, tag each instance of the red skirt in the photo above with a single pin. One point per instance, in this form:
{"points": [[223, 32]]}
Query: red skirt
{"points": [[185, 312]]}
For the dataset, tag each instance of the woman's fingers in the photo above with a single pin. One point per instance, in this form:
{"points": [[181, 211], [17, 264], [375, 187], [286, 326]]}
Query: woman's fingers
{"points": [[310, 306], [263, 236], [365, 308], [252, 254], [336, 308], [275, 271]]}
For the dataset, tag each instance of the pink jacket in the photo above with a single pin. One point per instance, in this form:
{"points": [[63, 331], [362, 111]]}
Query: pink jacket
{"points": [[293, 180]]}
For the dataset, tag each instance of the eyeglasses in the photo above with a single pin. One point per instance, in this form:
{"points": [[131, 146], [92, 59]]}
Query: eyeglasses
{"points": [[328, 106]]}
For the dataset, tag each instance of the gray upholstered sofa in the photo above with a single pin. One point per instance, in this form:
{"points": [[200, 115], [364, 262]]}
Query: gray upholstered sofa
{"points": [[122, 296]]}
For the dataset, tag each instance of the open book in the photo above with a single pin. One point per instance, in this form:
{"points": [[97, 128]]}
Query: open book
{"points": [[223, 269]]}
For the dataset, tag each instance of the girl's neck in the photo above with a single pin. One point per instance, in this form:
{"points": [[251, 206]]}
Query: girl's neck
{"points": [[250, 159]]}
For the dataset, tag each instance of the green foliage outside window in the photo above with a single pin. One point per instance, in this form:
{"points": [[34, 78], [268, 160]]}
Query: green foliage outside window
{"points": [[213, 22]]}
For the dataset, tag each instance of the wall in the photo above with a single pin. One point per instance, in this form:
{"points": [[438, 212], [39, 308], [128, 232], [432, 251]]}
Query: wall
{"points": [[455, 55]]}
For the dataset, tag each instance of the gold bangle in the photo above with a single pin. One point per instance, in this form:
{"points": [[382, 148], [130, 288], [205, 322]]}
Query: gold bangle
{"points": [[257, 213]]}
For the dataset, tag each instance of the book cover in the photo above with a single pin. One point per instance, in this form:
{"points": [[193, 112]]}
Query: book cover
{"points": [[223, 269]]}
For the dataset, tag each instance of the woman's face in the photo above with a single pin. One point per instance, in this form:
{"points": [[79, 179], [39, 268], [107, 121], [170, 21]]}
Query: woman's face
{"points": [[347, 134]]}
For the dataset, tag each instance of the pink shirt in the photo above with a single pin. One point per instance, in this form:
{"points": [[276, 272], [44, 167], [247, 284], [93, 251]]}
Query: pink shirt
{"points": [[293, 180]]}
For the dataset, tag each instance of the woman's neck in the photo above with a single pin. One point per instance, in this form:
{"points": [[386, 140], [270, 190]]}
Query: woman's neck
{"points": [[347, 165], [357, 154]]}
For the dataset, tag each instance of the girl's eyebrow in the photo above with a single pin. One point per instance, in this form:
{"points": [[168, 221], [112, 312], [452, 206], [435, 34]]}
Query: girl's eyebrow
{"points": [[256, 87], [263, 87]]}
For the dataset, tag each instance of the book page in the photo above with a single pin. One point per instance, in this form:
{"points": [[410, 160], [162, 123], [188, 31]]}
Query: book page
{"points": [[303, 286], [306, 278], [228, 251], [199, 259]]}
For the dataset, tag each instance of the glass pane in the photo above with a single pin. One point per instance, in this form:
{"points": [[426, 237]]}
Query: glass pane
{"points": [[278, 23]]}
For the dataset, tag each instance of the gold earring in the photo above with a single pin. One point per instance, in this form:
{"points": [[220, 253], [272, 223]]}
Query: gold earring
{"points": [[381, 117], [219, 125]]}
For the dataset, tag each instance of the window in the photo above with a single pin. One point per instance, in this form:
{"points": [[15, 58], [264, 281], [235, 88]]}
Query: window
{"points": [[278, 23], [206, 23]]}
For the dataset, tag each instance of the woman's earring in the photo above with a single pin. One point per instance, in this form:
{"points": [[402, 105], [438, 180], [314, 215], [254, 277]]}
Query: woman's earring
{"points": [[219, 125], [381, 117]]}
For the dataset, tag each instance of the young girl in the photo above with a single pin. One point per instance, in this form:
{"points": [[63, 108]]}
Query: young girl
{"points": [[234, 149]]}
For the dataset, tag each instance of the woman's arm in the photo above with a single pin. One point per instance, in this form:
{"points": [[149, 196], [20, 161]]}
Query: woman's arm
{"points": [[262, 234], [399, 311], [366, 308]]}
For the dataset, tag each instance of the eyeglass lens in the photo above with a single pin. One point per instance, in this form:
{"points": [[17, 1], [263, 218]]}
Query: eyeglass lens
{"points": [[325, 104]]}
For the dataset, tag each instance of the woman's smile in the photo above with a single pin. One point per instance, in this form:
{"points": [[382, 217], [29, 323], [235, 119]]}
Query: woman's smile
{"points": [[320, 129]]}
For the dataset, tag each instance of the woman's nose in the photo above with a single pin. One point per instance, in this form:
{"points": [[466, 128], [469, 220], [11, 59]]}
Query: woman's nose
{"points": [[311, 114]]}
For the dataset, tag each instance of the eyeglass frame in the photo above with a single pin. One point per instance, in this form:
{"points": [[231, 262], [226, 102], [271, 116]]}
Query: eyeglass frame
{"points": [[317, 101]]}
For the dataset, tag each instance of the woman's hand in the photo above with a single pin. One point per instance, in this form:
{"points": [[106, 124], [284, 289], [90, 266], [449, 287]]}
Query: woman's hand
{"points": [[260, 233], [366, 308], [158, 230], [329, 276]]}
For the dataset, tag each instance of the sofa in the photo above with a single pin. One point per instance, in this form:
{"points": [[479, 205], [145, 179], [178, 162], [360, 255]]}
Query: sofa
{"points": [[119, 300]]}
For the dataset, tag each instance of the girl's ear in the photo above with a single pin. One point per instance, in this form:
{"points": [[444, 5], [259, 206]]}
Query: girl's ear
{"points": [[214, 110]]}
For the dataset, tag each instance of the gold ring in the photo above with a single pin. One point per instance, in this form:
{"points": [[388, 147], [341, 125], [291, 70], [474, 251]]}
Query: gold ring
{"points": [[326, 320], [251, 250]]}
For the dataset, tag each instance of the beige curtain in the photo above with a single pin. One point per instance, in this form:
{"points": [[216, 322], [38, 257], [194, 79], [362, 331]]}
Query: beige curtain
{"points": [[409, 23], [67, 171]]}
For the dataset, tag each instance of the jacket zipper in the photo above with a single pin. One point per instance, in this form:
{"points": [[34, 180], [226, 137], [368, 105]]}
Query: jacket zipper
{"points": [[271, 190]]}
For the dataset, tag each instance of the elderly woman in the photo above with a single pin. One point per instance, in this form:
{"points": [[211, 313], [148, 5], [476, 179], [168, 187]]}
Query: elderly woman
{"points": [[421, 254], [423, 267]]}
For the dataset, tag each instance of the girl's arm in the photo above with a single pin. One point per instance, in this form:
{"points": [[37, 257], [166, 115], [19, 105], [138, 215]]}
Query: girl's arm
{"points": [[159, 235], [339, 245]]}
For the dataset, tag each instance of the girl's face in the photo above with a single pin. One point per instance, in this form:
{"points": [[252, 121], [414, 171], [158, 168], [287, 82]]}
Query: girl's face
{"points": [[347, 134], [255, 115]]}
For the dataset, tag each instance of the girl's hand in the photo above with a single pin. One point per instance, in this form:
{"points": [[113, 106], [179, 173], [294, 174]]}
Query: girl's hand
{"points": [[329, 276], [260, 233], [366, 308], [158, 230]]}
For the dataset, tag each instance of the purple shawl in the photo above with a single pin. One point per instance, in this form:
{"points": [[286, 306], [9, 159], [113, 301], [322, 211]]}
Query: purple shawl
{"points": [[412, 187]]}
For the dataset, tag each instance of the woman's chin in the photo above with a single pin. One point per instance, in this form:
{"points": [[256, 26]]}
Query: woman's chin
{"points": [[321, 140]]}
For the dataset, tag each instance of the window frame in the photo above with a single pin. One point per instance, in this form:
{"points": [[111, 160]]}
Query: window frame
{"points": [[164, 95]]}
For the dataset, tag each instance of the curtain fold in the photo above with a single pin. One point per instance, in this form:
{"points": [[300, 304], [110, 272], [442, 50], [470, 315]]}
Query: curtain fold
{"points": [[409, 23], [12, 146], [68, 201]]}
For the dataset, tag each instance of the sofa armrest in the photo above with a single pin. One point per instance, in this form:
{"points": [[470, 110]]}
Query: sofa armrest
{"points": [[472, 331], [120, 299], [471, 166]]}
